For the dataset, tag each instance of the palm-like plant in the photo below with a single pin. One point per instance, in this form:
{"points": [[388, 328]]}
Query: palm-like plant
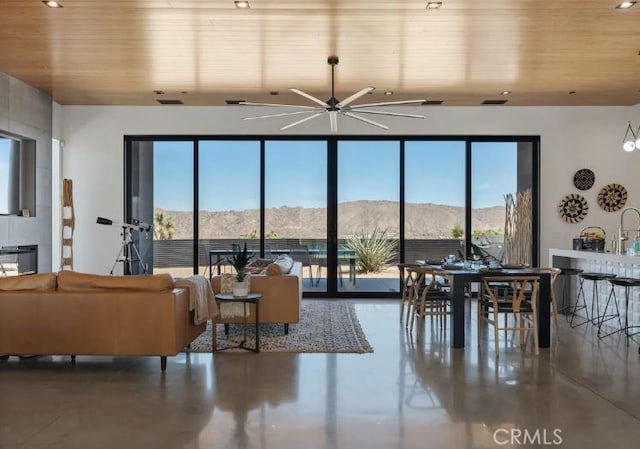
{"points": [[373, 251], [162, 226], [239, 261]]}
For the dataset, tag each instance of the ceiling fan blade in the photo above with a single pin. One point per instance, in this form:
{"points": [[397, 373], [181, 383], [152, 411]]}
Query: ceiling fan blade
{"points": [[291, 125], [387, 103], [310, 97], [281, 114], [395, 114], [355, 96], [366, 120], [248, 103], [333, 119]]}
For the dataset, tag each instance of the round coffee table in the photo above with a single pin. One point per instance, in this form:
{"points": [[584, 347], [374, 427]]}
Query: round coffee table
{"points": [[251, 298]]}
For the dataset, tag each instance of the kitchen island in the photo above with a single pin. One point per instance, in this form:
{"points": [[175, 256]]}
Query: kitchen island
{"points": [[598, 262]]}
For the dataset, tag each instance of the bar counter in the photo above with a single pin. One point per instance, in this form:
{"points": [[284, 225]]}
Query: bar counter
{"points": [[598, 262]]}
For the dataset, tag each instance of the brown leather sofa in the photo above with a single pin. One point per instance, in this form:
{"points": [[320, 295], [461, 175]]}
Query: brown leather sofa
{"points": [[81, 314], [281, 296]]}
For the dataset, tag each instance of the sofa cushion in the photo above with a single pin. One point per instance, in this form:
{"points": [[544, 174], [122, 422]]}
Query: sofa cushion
{"points": [[284, 262], [71, 280], [273, 270], [42, 281], [258, 266]]}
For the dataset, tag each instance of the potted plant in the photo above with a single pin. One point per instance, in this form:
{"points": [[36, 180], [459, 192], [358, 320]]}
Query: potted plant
{"points": [[239, 261]]}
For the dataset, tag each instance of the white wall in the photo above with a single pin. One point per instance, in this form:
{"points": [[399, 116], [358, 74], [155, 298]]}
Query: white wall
{"points": [[571, 138]]}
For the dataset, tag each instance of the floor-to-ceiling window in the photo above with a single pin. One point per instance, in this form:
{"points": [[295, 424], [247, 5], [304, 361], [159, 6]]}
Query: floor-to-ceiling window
{"points": [[368, 215], [434, 199], [501, 183], [295, 206], [349, 209], [159, 189], [228, 199]]}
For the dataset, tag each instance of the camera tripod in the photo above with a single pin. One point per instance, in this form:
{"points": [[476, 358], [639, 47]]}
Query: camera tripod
{"points": [[128, 254]]}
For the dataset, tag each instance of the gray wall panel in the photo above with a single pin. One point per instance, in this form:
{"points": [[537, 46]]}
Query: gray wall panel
{"points": [[29, 105], [26, 112]]}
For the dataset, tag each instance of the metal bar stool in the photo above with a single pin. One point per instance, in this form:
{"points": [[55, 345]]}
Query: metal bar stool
{"points": [[566, 294], [628, 284], [595, 278]]}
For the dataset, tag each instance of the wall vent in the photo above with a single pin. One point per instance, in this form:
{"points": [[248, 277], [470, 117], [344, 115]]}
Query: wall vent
{"points": [[170, 101], [494, 101]]}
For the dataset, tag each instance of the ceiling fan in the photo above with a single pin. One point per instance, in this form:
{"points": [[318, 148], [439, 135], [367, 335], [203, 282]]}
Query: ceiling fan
{"points": [[332, 107]]}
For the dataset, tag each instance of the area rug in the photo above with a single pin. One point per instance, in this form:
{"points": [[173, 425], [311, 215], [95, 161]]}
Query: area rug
{"points": [[325, 326]]}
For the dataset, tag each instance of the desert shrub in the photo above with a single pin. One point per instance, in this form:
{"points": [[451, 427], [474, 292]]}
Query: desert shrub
{"points": [[373, 251]]}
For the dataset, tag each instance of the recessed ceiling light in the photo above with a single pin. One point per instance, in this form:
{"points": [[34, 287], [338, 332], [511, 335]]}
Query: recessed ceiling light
{"points": [[53, 4], [158, 92], [242, 5], [434, 5], [506, 92], [170, 101], [388, 92], [274, 92], [184, 92], [572, 92], [626, 5]]}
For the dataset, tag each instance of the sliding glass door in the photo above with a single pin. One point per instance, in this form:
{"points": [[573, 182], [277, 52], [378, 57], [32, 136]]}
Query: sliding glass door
{"points": [[295, 206], [159, 187], [434, 199], [368, 215], [228, 200], [502, 200], [348, 208]]}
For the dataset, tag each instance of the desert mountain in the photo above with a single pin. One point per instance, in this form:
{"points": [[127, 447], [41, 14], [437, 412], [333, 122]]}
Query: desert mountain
{"points": [[423, 220]]}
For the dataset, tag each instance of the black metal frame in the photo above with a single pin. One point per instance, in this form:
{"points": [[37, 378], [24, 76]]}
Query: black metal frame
{"points": [[332, 188]]}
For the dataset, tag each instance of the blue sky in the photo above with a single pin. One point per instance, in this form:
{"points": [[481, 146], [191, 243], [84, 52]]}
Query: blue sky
{"points": [[5, 146], [296, 171]]}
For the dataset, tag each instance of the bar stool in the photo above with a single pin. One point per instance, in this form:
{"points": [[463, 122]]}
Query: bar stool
{"points": [[565, 273], [628, 284], [595, 278]]}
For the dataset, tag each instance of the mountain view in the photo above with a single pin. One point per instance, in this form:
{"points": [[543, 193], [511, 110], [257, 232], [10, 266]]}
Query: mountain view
{"points": [[422, 221]]}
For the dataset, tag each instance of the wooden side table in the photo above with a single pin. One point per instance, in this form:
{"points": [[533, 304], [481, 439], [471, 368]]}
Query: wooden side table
{"points": [[251, 298]]}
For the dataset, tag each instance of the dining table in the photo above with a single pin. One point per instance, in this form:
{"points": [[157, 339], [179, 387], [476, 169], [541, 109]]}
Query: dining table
{"points": [[459, 276]]}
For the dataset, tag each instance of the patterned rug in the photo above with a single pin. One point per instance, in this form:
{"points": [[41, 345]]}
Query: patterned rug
{"points": [[325, 326]]}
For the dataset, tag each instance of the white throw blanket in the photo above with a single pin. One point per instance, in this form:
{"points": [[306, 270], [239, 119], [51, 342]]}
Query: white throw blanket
{"points": [[201, 298]]}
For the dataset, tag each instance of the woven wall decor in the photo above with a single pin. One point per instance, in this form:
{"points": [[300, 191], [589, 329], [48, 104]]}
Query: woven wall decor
{"points": [[584, 179], [612, 197], [573, 208]]}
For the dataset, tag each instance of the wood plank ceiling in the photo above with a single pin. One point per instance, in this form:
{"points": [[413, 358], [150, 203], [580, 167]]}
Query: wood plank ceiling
{"points": [[208, 51]]}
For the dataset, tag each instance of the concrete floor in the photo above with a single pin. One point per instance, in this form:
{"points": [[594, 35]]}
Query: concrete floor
{"points": [[407, 394]]}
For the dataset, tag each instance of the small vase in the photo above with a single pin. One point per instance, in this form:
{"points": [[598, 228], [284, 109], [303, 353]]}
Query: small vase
{"points": [[241, 288]]}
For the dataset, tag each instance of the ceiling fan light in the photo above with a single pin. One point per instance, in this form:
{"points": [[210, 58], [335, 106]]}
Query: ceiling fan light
{"points": [[242, 4], [52, 4], [629, 146]]}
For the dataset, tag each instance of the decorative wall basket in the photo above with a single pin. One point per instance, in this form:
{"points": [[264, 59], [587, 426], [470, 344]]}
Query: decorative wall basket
{"points": [[612, 197], [573, 208], [584, 179]]}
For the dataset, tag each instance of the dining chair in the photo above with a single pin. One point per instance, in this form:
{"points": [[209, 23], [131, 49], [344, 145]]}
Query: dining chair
{"points": [[426, 299], [407, 279], [300, 253], [508, 296]]}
